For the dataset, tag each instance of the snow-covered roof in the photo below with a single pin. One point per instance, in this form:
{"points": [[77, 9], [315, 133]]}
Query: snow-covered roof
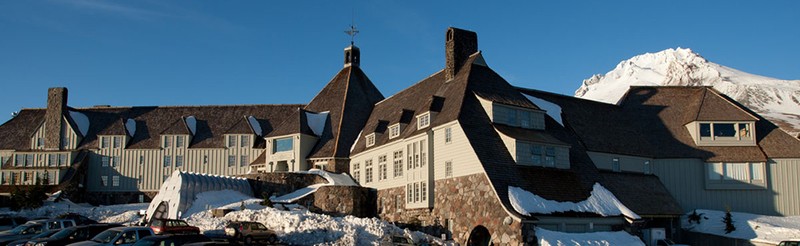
{"points": [[601, 202], [605, 238], [81, 121], [130, 127], [316, 121], [191, 123], [255, 125], [332, 178], [553, 110]]}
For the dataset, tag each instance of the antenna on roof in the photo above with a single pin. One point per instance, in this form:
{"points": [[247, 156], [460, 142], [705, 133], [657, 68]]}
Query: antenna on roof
{"points": [[352, 31]]}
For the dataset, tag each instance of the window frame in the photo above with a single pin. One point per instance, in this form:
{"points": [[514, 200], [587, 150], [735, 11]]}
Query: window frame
{"points": [[424, 120], [724, 175], [275, 144], [370, 139], [394, 131]]}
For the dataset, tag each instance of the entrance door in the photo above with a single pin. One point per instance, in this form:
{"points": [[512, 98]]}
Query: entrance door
{"points": [[479, 237], [161, 210]]}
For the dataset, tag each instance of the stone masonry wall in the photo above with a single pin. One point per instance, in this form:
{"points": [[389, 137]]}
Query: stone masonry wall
{"points": [[464, 202], [280, 183], [342, 200]]}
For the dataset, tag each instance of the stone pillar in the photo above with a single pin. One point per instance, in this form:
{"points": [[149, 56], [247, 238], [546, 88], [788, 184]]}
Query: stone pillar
{"points": [[54, 117]]}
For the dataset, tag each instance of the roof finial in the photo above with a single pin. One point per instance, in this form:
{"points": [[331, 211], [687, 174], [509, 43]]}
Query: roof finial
{"points": [[352, 32]]}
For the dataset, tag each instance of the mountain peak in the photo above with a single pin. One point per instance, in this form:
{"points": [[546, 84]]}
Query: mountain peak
{"points": [[775, 99]]}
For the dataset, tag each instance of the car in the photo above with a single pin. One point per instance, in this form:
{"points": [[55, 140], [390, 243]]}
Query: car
{"points": [[79, 219], [790, 243], [33, 228], [172, 226], [667, 242], [72, 235], [177, 239], [250, 232], [22, 242], [118, 236], [9, 222]]}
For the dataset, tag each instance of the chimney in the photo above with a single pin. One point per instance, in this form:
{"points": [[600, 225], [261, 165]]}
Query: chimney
{"points": [[352, 56], [54, 117], [459, 45]]}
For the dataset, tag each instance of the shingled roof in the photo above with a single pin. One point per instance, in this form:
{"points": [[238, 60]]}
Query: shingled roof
{"points": [[349, 98], [652, 122], [151, 122]]}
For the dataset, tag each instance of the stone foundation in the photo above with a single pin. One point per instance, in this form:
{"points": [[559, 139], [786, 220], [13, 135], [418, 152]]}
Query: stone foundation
{"points": [[341, 200], [461, 204], [278, 184]]}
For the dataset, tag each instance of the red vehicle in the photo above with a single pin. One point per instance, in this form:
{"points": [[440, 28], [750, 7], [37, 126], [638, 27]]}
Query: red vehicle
{"points": [[170, 226]]}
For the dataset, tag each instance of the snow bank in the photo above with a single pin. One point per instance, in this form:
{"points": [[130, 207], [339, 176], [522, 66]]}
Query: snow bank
{"points": [[124, 213], [81, 120], [191, 123], [255, 125], [601, 201], [332, 178], [216, 199], [130, 126], [758, 228], [548, 238], [317, 121], [552, 109], [180, 189]]}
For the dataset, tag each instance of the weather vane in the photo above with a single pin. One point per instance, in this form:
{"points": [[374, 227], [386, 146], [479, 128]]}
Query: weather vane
{"points": [[352, 32]]}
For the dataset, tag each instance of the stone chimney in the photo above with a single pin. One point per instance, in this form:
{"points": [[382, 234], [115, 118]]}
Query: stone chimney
{"points": [[352, 56], [459, 45], [54, 117]]}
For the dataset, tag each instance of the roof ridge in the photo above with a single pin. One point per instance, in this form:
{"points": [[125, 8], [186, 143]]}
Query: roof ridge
{"points": [[409, 87], [341, 114]]}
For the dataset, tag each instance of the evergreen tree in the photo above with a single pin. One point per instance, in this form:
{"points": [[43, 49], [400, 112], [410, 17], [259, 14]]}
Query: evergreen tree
{"points": [[728, 220]]}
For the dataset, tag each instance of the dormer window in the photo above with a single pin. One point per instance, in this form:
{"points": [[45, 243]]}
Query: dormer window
{"points": [[424, 120], [519, 117], [231, 141], [394, 131], [724, 133], [370, 139]]}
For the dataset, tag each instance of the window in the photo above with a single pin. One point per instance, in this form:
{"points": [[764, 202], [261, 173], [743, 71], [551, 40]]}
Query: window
{"points": [[141, 159], [116, 142], [243, 160], [103, 180], [178, 161], [115, 181], [409, 193], [39, 142], [167, 161], [231, 160], [51, 160], [725, 131], [744, 130], [448, 135], [398, 163], [114, 161], [18, 160], [550, 156], [536, 154], [103, 142], [398, 202], [231, 141], [368, 171], [735, 174], [705, 129], [179, 141], [167, 141], [524, 118], [416, 192], [424, 191], [424, 120], [382, 167], [245, 141], [62, 159], [65, 141], [104, 161], [422, 152], [28, 159], [394, 131], [615, 165], [370, 139], [205, 159], [283, 144], [448, 169], [357, 176], [646, 168]]}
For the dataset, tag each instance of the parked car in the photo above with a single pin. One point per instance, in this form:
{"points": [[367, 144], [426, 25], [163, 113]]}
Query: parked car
{"points": [[22, 242], [250, 232], [71, 235], [33, 228], [667, 242], [790, 243], [170, 226], [168, 240], [79, 219], [9, 222], [118, 236]]}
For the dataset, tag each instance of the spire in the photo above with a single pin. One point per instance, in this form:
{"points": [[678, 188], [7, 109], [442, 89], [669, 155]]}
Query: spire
{"points": [[352, 55]]}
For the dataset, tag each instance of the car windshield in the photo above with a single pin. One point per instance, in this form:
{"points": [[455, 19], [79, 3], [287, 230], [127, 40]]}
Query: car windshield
{"points": [[260, 226], [20, 229], [106, 236], [63, 233]]}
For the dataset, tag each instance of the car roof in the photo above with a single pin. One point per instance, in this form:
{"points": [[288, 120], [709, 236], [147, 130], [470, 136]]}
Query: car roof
{"points": [[130, 228]]}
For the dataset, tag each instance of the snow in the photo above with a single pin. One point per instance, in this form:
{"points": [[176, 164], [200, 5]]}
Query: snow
{"points": [[124, 213], [180, 189], [601, 201], [352, 147], [81, 120], [130, 126], [191, 123], [548, 238], [553, 110], [758, 228], [332, 178], [255, 125], [316, 121], [776, 99]]}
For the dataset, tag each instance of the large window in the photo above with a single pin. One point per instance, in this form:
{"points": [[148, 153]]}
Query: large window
{"points": [[735, 175], [536, 155], [382, 170], [368, 171], [398, 163], [725, 131], [519, 117], [283, 144], [357, 172]]}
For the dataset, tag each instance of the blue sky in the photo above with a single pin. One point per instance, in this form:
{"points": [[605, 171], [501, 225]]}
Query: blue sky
{"points": [[141, 53]]}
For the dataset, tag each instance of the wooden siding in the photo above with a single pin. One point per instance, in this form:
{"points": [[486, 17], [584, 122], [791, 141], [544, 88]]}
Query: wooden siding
{"points": [[685, 179], [68, 133], [40, 133]]}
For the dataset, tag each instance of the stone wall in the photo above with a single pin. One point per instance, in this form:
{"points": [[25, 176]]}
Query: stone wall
{"points": [[342, 200], [278, 184], [461, 204], [109, 198]]}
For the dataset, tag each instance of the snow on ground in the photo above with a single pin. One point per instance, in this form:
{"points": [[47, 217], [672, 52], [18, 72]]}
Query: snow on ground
{"points": [[293, 224], [124, 213], [332, 178], [601, 201], [759, 228], [548, 238]]}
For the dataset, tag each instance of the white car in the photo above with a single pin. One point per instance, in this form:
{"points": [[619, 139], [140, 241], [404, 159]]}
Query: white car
{"points": [[118, 236]]}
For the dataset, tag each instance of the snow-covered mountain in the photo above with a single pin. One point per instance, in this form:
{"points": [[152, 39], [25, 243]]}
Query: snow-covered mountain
{"points": [[776, 99]]}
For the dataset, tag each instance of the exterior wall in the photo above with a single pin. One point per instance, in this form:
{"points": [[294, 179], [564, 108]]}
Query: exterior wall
{"points": [[342, 200], [296, 158], [460, 205], [627, 163], [458, 152], [69, 136], [685, 179]]}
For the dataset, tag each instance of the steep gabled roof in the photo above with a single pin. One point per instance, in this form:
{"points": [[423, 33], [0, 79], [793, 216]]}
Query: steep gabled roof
{"points": [[349, 98]]}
